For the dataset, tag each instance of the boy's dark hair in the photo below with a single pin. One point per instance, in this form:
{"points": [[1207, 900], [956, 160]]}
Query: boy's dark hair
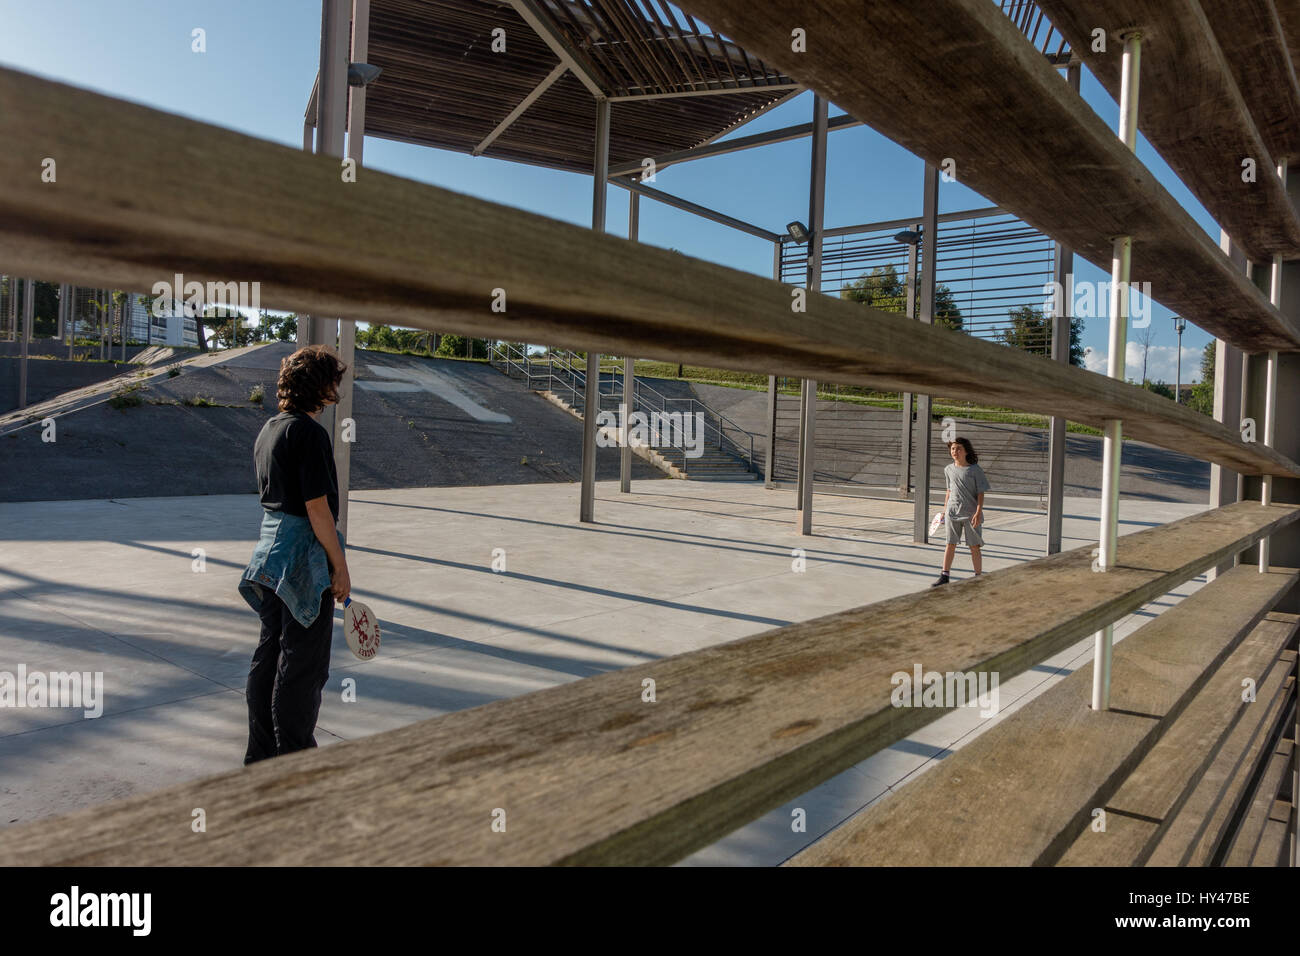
{"points": [[309, 378], [971, 457]]}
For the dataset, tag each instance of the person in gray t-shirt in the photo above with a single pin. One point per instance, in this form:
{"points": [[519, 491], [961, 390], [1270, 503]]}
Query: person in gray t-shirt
{"points": [[963, 505]]}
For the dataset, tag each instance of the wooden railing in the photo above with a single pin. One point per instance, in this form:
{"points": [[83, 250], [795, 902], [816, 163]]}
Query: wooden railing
{"points": [[594, 771]]}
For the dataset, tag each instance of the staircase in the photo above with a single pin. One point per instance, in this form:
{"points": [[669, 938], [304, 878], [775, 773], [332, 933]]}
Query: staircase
{"points": [[727, 450]]}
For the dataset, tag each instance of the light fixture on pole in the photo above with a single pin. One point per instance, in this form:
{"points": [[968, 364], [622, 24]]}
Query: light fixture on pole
{"points": [[798, 232], [908, 237], [362, 74], [1179, 324]]}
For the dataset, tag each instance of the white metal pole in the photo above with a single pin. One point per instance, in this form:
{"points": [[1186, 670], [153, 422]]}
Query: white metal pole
{"points": [[356, 124], [1270, 387], [1112, 449], [629, 369], [591, 393]]}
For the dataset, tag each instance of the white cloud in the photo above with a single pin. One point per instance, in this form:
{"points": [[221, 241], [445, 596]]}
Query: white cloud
{"points": [[1160, 363]]}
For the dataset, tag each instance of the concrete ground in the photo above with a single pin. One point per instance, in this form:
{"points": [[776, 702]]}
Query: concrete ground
{"points": [[119, 586]]}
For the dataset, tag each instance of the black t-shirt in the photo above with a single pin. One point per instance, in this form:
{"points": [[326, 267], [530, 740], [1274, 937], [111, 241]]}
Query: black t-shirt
{"points": [[295, 464]]}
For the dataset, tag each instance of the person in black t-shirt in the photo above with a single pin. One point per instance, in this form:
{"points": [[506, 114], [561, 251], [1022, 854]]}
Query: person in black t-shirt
{"points": [[296, 476]]}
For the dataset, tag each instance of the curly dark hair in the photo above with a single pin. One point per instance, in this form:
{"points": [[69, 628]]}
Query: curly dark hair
{"points": [[309, 379], [971, 457]]}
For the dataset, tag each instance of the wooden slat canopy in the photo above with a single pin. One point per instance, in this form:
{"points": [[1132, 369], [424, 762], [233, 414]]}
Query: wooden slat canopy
{"points": [[388, 250], [591, 773], [955, 79], [445, 86], [1187, 83]]}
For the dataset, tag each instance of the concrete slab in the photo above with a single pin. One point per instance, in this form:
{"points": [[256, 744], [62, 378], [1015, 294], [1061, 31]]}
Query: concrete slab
{"points": [[112, 585]]}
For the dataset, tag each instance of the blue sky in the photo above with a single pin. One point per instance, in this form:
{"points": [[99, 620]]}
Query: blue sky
{"points": [[261, 60]]}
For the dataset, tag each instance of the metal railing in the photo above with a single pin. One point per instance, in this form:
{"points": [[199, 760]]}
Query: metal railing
{"points": [[563, 372]]}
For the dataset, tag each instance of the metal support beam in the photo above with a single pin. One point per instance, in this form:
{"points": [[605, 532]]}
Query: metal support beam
{"points": [[332, 93], [703, 211], [1270, 387], [783, 135], [591, 395], [515, 113], [629, 369], [356, 124], [25, 336], [710, 91], [1113, 442], [1063, 277], [905, 409], [769, 463], [816, 222], [530, 12], [921, 441], [1225, 484]]}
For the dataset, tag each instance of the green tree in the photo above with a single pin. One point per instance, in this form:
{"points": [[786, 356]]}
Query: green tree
{"points": [[228, 327], [883, 288], [1202, 396], [458, 346], [1032, 331]]}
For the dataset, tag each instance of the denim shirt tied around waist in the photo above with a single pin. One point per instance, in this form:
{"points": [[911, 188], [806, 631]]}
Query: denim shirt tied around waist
{"points": [[291, 562]]}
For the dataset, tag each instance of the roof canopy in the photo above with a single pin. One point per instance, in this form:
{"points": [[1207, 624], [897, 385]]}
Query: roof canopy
{"points": [[444, 85]]}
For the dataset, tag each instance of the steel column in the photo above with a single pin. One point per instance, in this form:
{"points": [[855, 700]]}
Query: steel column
{"points": [[356, 124], [591, 394], [1270, 389], [1121, 260], [25, 336], [1063, 276], [905, 437], [629, 367], [769, 465], [332, 102], [929, 262], [816, 222]]}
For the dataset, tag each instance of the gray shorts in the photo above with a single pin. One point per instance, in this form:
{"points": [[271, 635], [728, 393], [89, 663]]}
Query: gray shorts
{"points": [[956, 526]]}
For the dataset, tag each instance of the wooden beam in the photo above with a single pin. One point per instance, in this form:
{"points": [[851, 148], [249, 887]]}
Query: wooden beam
{"points": [[590, 772], [1254, 42], [1152, 796], [1016, 133], [1020, 792], [1203, 129], [1199, 831], [143, 195]]}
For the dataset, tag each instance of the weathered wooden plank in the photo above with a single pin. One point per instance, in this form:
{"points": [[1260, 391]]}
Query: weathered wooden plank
{"points": [[1275, 843], [1254, 44], [1150, 798], [956, 80], [1197, 832], [589, 772], [1019, 793], [1187, 84], [143, 195], [1247, 840]]}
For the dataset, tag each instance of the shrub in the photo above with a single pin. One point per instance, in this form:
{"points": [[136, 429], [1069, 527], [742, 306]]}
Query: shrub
{"points": [[257, 394]]}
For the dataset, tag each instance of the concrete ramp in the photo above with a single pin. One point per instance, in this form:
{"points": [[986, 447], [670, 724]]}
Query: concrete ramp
{"points": [[420, 422]]}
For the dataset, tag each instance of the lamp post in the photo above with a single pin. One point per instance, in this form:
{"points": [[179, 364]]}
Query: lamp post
{"points": [[1179, 324]]}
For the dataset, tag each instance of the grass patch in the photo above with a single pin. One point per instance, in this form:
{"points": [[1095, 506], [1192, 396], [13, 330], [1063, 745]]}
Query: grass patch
{"points": [[257, 395], [127, 396], [173, 372], [198, 401]]}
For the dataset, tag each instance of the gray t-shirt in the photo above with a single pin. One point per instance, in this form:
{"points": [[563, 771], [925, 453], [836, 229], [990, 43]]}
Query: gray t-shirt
{"points": [[964, 488]]}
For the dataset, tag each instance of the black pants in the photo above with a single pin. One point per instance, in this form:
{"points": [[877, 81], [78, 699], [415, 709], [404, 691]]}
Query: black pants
{"points": [[289, 669]]}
